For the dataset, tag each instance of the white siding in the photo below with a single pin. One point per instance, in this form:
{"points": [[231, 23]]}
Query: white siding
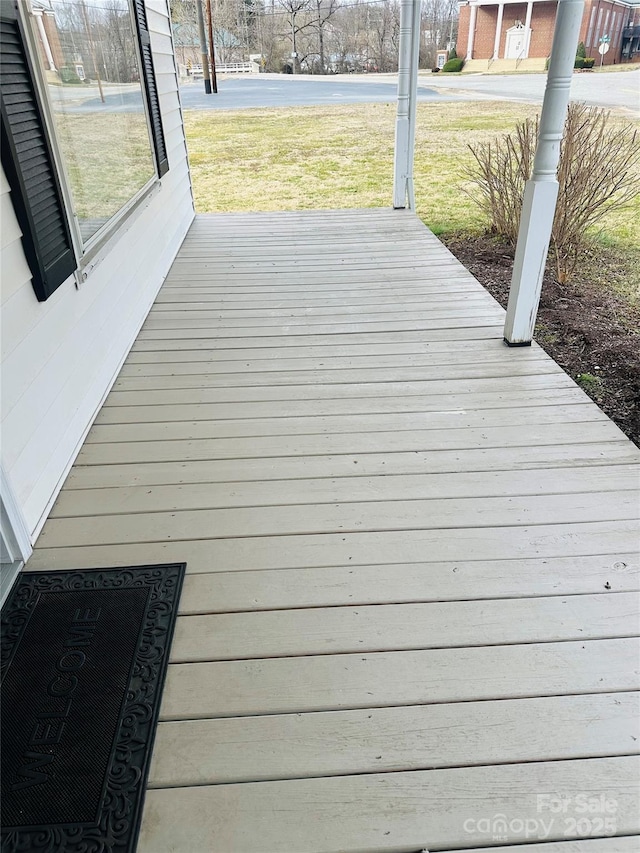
{"points": [[60, 357]]}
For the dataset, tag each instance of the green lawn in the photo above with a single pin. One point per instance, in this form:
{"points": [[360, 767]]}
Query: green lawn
{"points": [[108, 159], [342, 156]]}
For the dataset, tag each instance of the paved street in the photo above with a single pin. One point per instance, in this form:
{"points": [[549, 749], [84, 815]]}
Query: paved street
{"points": [[615, 90], [620, 91], [284, 90]]}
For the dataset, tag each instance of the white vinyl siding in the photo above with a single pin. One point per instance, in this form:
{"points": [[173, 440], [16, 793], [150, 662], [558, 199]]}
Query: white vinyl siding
{"points": [[60, 357]]}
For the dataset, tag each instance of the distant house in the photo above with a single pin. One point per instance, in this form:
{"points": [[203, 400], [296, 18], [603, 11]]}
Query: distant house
{"points": [[187, 45], [514, 30]]}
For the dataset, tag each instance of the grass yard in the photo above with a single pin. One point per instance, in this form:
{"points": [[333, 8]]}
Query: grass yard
{"points": [[342, 156], [108, 159]]}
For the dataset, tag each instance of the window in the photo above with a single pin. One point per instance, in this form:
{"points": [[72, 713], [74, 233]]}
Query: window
{"points": [[81, 125], [88, 57], [591, 22], [596, 37]]}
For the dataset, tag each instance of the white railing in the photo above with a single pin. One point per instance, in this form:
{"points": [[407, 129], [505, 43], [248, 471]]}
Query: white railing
{"points": [[228, 68], [520, 57], [237, 68]]}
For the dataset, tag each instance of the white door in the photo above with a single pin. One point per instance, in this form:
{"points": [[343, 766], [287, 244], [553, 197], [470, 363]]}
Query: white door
{"points": [[517, 43]]}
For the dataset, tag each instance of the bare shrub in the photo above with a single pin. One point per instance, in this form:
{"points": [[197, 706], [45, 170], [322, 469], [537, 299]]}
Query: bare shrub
{"points": [[599, 172]]}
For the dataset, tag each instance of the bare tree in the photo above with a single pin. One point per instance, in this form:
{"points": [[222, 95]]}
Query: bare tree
{"points": [[294, 8], [324, 10], [336, 35]]}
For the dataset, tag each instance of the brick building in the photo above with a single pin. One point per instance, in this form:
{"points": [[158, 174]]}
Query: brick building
{"points": [[511, 29]]}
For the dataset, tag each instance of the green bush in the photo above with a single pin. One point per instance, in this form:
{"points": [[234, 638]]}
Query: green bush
{"points": [[581, 52], [452, 54], [453, 65], [589, 62], [579, 63], [68, 75]]}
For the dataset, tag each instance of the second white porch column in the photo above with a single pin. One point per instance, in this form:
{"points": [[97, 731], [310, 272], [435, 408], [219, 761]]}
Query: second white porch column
{"points": [[496, 43], [472, 31], [527, 21], [45, 41], [541, 191], [408, 54]]}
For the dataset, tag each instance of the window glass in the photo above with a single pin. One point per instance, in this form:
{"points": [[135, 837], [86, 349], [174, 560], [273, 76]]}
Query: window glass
{"points": [[89, 59]]}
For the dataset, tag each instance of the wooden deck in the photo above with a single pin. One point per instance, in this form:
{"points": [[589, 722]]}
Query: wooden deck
{"points": [[412, 553]]}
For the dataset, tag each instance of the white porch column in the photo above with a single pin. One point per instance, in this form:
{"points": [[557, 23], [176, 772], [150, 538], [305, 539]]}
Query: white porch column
{"points": [[472, 31], [496, 43], [527, 21], [408, 54], [541, 191], [45, 40]]}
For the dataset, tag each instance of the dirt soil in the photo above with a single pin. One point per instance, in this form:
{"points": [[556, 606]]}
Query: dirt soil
{"points": [[592, 331]]}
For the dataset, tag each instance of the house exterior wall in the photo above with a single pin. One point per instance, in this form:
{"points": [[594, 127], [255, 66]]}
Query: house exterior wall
{"points": [[633, 37], [600, 17], [604, 17], [60, 357], [48, 22], [464, 20]]}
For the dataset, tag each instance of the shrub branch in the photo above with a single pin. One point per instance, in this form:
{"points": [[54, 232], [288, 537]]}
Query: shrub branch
{"points": [[598, 172]]}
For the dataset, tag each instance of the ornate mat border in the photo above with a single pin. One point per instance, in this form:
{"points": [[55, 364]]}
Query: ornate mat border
{"points": [[117, 828]]}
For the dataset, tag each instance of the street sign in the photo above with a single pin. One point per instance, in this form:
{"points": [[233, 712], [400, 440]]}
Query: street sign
{"points": [[603, 48]]}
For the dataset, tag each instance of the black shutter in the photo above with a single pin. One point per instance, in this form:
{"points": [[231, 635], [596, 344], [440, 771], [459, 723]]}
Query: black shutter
{"points": [[150, 85], [28, 161]]}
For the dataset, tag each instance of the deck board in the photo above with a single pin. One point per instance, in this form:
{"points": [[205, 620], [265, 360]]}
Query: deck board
{"points": [[371, 813], [384, 740], [373, 628], [412, 553], [94, 502], [388, 547], [296, 685]]}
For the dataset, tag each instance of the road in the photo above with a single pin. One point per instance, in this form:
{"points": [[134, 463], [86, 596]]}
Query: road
{"points": [[285, 90], [620, 91], [614, 90]]}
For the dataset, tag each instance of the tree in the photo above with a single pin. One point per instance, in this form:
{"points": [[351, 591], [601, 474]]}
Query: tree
{"points": [[182, 11], [439, 22], [324, 10], [336, 35], [293, 9]]}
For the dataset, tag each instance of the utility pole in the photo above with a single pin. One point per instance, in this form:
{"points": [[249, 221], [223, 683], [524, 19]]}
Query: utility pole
{"points": [[92, 49], [214, 77], [294, 54], [203, 48]]}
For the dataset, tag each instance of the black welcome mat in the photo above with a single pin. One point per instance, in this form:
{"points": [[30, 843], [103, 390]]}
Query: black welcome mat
{"points": [[84, 656]]}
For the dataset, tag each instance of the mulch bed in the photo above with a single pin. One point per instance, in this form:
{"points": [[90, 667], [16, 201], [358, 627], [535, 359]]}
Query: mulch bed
{"points": [[592, 331]]}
